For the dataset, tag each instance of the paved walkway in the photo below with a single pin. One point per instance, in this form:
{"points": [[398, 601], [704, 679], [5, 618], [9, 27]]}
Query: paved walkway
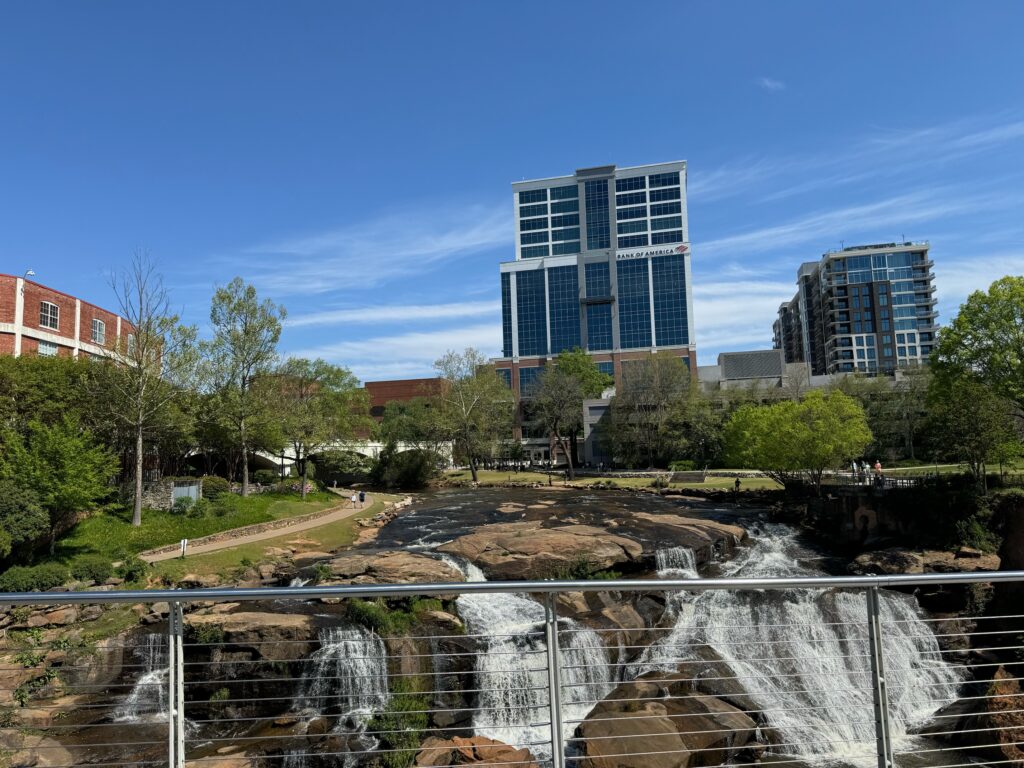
{"points": [[342, 512]]}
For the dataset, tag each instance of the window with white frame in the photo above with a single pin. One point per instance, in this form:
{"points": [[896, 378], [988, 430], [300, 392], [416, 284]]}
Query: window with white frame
{"points": [[49, 315], [47, 349], [99, 332], [131, 344]]}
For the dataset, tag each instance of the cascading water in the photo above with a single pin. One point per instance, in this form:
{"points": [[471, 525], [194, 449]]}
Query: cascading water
{"points": [[148, 698], [347, 677], [676, 563], [512, 667], [802, 654]]}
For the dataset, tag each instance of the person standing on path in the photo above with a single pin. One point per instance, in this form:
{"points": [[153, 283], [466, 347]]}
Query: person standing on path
{"points": [[354, 499], [362, 498]]}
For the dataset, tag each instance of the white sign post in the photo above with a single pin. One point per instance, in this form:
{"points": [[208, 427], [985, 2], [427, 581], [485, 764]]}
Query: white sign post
{"points": [[184, 543]]}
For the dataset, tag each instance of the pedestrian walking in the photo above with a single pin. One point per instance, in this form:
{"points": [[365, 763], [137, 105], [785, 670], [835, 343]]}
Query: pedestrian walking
{"points": [[354, 500], [362, 498]]}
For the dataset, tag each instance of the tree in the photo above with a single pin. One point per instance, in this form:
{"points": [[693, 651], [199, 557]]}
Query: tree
{"points": [[895, 408], [646, 419], [64, 465], [22, 518], [986, 340], [474, 406], [413, 422], [971, 423], [243, 349], [153, 367], [557, 406], [592, 381], [789, 441], [319, 404], [45, 389]]}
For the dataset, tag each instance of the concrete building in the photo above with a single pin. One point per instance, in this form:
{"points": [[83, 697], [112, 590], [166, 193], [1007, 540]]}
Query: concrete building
{"points": [[602, 262], [866, 308], [36, 320]]}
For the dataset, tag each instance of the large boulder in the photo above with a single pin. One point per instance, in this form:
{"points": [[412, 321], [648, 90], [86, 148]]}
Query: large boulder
{"points": [[657, 722], [897, 560], [270, 636], [392, 567], [475, 750], [526, 549]]}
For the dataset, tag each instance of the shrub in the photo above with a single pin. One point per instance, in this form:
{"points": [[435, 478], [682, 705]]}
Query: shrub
{"points": [[22, 517], [35, 578], [406, 470], [402, 722], [183, 505], [201, 508], [204, 634], [92, 568], [375, 615], [682, 465], [226, 504], [266, 476], [132, 569], [221, 694], [214, 487]]}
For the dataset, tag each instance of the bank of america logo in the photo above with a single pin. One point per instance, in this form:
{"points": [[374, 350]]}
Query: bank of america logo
{"points": [[682, 249]]}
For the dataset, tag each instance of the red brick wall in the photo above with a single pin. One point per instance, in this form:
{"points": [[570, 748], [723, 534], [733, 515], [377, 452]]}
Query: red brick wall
{"points": [[383, 392], [89, 312], [8, 286], [6, 343], [34, 294]]}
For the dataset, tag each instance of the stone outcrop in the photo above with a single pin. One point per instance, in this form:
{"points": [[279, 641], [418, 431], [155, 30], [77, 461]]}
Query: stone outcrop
{"points": [[966, 723], [526, 549], [391, 567], [475, 750], [272, 636], [897, 560], [670, 728]]}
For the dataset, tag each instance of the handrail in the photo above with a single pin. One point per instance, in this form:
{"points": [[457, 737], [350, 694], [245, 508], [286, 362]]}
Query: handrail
{"points": [[224, 594]]}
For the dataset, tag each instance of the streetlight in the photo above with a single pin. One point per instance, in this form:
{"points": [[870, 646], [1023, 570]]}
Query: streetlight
{"points": [[28, 273]]}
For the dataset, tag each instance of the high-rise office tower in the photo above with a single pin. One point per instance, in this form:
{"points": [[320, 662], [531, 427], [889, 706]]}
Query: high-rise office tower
{"points": [[865, 308], [602, 263]]}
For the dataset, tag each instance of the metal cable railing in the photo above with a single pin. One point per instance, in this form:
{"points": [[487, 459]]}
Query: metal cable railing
{"points": [[868, 677]]}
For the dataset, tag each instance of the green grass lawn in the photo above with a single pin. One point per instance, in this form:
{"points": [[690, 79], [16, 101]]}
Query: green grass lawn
{"points": [[111, 534], [224, 562], [491, 477]]}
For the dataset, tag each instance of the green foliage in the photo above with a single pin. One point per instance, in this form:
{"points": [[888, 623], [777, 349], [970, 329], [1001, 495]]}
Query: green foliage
{"points": [[556, 407], [132, 569], [204, 634], [266, 476], [321, 572], [582, 567], [407, 470], [34, 578], [377, 616], [23, 520], [214, 487], [27, 690], [682, 465], [581, 366], [221, 694], [183, 505], [790, 441], [986, 340], [92, 568], [44, 389], [63, 464], [30, 658], [228, 504], [402, 722], [201, 508], [8, 718]]}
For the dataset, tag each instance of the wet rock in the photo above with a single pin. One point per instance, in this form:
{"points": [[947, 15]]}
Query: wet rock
{"points": [[390, 567], [895, 560], [524, 550], [267, 635], [686, 731], [475, 750]]}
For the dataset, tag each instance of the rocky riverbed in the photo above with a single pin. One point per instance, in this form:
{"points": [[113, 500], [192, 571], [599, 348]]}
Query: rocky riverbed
{"points": [[311, 683]]}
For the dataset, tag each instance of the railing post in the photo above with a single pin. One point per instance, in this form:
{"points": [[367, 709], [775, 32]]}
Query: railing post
{"points": [[554, 681], [879, 692], [176, 688]]}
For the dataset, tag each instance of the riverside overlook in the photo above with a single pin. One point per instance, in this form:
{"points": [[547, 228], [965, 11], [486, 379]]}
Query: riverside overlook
{"points": [[643, 673]]}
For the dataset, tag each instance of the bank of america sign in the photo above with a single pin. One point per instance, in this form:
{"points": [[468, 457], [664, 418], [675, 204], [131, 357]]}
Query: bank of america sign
{"points": [[649, 252]]}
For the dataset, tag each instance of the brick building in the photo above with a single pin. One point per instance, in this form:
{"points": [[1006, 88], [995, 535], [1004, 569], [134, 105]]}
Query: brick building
{"points": [[36, 320], [401, 390]]}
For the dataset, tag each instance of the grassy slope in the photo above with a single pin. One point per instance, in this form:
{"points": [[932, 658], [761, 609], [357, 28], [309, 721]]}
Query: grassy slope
{"points": [[328, 537]]}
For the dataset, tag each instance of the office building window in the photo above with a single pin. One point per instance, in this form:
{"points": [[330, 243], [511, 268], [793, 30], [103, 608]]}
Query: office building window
{"points": [[533, 196], [564, 193], [558, 249], [566, 206], [598, 280], [528, 380], [672, 222], [628, 227], [670, 324], [666, 209], [596, 198], [49, 315], [506, 315], [526, 211], [599, 327], [633, 182], [505, 374], [622, 214], [530, 238], [533, 331], [99, 332], [528, 225], [631, 198], [634, 304], [660, 238], [535, 252], [47, 349], [632, 241], [664, 179], [567, 220], [564, 308], [607, 368], [572, 233], [658, 195]]}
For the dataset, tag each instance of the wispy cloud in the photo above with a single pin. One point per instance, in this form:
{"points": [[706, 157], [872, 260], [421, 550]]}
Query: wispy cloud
{"points": [[771, 84], [736, 314], [406, 354], [398, 244], [395, 314]]}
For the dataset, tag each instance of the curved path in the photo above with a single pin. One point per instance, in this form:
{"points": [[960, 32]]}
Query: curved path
{"points": [[342, 512]]}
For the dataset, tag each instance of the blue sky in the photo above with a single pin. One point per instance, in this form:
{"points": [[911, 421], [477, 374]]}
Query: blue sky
{"points": [[354, 160]]}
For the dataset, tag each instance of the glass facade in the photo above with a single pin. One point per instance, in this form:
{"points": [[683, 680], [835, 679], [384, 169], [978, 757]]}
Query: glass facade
{"points": [[596, 199], [506, 315], [528, 379], [599, 316], [505, 375], [634, 304], [607, 368], [564, 307], [670, 326], [531, 314]]}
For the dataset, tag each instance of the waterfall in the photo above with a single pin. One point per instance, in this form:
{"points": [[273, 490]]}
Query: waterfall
{"points": [[469, 571], [676, 563], [511, 670], [802, 654], [347, 676], [297, 582], [148, 698]]}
